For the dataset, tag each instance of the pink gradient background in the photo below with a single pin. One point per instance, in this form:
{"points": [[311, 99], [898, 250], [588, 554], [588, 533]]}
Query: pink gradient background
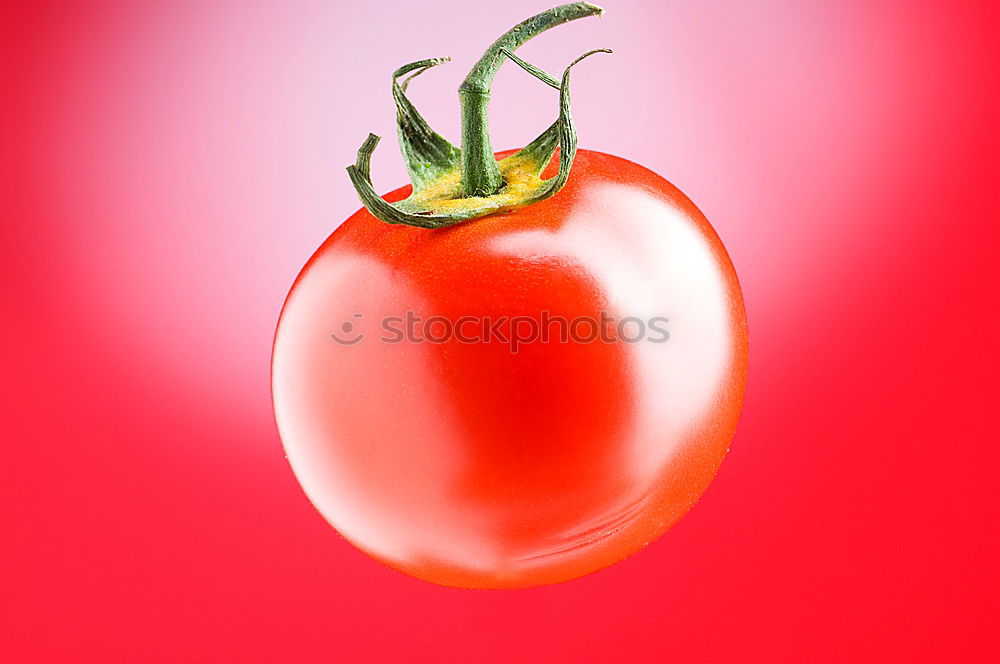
{"points": [[166, 169]]}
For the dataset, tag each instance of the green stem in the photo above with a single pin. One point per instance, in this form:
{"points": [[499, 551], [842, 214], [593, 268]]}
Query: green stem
{"points": [[480, 172]]}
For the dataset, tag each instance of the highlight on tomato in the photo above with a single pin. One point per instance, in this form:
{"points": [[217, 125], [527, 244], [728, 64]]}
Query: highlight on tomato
{"points": [[521, 368]]}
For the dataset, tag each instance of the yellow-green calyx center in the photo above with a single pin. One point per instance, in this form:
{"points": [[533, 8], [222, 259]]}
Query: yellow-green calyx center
{"points": [[446, 196]]}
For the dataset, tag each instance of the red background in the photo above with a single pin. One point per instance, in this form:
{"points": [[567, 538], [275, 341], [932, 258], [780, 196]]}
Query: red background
{"points": [[167, 169]]}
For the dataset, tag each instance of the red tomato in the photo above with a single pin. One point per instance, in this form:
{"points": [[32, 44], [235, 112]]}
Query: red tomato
{"points": [[471, 462]]}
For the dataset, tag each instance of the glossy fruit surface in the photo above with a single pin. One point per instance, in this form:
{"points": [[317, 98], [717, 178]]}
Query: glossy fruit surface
{"points": [[460, 458]]}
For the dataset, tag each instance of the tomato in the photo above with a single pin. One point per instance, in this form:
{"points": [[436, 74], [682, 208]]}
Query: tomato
{"points": [[467, 460]]}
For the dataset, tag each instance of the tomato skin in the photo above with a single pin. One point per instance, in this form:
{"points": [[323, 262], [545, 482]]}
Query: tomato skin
{"points": [[469, 465]]}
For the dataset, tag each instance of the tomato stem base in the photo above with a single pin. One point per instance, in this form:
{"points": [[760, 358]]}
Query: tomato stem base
{"points": [[451, 185]]}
